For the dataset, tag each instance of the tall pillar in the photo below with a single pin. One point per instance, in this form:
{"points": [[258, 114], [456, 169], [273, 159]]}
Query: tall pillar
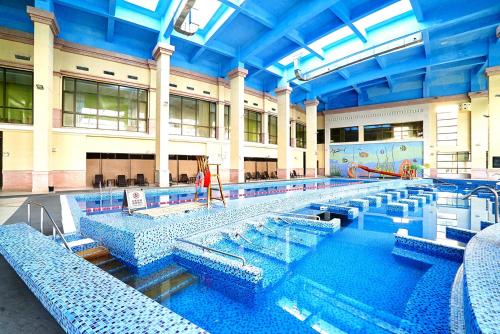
{"points": [[220, 130], [162, 53], [45, 28], [493, 116], [479, 134], [284, 150], [311, 137], [265, 128], [237, 136], [293, 133]]}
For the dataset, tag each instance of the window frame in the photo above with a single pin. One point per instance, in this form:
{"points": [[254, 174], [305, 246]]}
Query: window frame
{"points": [[246, 124], [273, 139], [4, 106], [342, 135], [212, 111], [300, 135]]}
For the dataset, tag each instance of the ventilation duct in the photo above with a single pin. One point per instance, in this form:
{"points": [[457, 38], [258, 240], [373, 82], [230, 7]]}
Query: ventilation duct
{"points": [[394, 45], [185, 23]]}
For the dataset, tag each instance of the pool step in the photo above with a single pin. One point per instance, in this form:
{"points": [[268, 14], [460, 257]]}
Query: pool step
{"points": [[112, 266], [93, 253], [302, 240], [166, 289], [144, 283], [295, 227]]}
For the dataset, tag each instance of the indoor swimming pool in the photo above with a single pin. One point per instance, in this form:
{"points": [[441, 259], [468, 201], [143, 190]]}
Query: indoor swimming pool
{"points": [[323, 280]]}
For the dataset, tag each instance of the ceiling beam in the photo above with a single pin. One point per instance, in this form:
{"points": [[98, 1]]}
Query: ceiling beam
{"points": [[381, 64], [417, 10], [342, 12], [110, 31]]}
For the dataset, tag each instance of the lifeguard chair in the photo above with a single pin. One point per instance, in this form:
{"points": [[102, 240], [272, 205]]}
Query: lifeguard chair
{"points": [[205, 168]]}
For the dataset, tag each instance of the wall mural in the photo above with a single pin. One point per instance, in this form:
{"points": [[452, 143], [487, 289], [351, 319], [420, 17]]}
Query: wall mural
{"points": [[351, 160]]}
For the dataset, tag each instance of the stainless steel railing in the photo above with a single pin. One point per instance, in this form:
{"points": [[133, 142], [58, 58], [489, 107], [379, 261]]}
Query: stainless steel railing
{"points": [[55, 229], [493, 191], [298, 215], [208, 249]]}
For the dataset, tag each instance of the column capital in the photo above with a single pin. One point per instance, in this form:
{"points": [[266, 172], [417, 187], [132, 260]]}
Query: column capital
{"points": [[482, 93], [237, 72], [283, 90], [311, 103], [45, 17], [491, 71], [163, 49]]}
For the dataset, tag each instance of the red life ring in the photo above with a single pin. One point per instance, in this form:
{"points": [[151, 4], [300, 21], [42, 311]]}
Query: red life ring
{"points": [[206, 179]]}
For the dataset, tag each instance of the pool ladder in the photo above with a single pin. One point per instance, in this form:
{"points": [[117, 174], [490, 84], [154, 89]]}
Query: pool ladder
{"points": [[208, 249], [55, 228], [475, 190]]}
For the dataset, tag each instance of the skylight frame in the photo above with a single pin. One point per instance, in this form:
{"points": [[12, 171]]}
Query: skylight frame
{"points": [[287, 60], [204, 11], [150, 5], [383, 15]]}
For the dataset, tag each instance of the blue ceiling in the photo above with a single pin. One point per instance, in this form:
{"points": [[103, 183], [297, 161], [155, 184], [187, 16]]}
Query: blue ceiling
{"points": [[459, 42]]}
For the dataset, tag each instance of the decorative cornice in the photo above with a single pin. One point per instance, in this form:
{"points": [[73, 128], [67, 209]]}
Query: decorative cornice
{"points": [[11, 64], [45, 17], [237, 72], [459, 97], [254, 92], [99, 79], [69, 47], [181, 72], [151, 64], [193, 95], [311, 103], [163, 49], [492, 71], [16, 36], [269, 97], [482, 93], [283, 90]]}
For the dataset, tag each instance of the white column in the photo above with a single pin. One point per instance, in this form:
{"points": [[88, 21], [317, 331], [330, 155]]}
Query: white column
{"points": [[293, 133], [237, 83], [311, 137], [265, 128], [327, 146], [45, 28], [162, 54], [284, 151]]}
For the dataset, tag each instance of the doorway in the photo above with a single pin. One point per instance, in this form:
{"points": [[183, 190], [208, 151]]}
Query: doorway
{"points": [[304, 163]]}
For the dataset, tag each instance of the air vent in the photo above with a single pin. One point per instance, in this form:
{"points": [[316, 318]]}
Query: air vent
{"points": [[82, 68], [190, 88], [246, 101], [206, 92], [109, 73], [132, 77], [256, 104], [21, 57], [173, 85]]}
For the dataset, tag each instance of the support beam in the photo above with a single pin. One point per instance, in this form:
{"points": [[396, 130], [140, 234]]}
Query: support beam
{"points": [[284, 150], [237, 83], [342, 12], [110, 31], [45, 30], [381, 64], [162, 54], [417, 10], [311, 137]]}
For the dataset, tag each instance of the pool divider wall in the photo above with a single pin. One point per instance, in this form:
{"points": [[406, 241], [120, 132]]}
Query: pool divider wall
{"points": [[459, 234], [81, 297]]}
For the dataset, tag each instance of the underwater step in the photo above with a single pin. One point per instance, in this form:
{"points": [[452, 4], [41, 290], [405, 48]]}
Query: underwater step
{"points": [[290, 226], [341, 210], [93, 253], [337, 309], [145, 282], [296, 237], [374, 201], [165, 289], [112, 266], [101, 260]]}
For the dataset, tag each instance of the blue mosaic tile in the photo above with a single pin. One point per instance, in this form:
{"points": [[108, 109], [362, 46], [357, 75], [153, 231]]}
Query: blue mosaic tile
{"points": [[361, 204], [374, 201], [459, 234], [485, 223], [396, 195], [429, 247], [421, 199], [412, 203], [386, 198], [397, 208]]}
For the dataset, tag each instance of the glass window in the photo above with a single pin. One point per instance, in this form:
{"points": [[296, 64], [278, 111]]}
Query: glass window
{"points": [[16, 100], [300, 135], [320, 136], [393, 131], [191, 117], [88, 104], [227, 121], [253, 126], [344, 135], [273, 129]]}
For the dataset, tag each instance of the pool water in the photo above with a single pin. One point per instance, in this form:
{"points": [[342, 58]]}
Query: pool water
{"points": [[317, 282], [97, 204]]}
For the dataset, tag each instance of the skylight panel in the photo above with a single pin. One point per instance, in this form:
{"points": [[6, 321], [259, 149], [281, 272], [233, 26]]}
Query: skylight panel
{"points": [[146, 4], [291, 57], [203, 11], [331, 38], [384, 14]]}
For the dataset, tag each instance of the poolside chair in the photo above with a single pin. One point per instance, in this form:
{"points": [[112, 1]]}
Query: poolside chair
{"points": [[266, 175], [274, 175], [183, 178], [294, 173], [141, 181], [121, 181], [248, 176], [170, 179], [258, 176], [98, 181]]}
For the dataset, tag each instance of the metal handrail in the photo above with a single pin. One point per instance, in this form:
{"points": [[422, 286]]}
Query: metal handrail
{"points": [[267, 228], [298, 228], [244, 238], [490, 190], [315, 217], [54, 225], [205, 248]]}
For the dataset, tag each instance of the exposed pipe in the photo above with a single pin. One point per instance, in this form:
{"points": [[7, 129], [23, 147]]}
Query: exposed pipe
{"points": [[181, 25], [380, 50]]}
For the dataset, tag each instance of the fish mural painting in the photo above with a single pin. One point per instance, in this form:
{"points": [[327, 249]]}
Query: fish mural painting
{"points": [[387, 157]]}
